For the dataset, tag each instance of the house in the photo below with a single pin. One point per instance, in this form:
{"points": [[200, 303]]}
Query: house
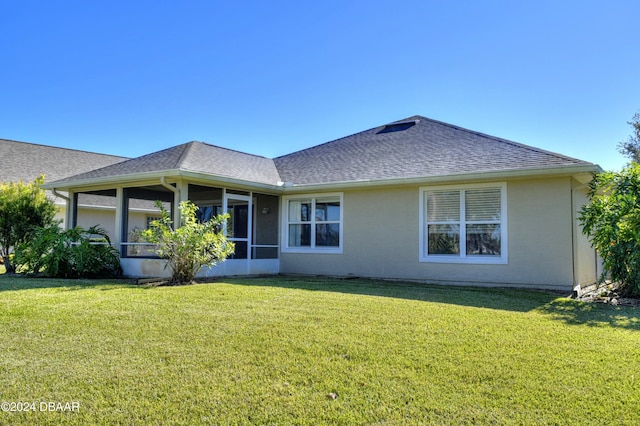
{"points": [[23, 161], [416, 199]]}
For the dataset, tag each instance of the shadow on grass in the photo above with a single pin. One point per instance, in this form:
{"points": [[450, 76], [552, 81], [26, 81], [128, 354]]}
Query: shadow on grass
{"points": [[558, 307], [573, 312], [19, 282], [478, 297]]}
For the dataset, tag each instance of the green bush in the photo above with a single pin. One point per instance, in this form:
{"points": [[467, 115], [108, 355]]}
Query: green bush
{"points": [[191, 246], [72, 253], [23, 208], [612, 221]]}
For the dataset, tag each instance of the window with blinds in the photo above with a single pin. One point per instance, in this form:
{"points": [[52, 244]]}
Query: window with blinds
{"points": [[464, 224]]}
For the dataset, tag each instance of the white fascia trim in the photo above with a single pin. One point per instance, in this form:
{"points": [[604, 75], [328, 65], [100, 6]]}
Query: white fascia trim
{"points": [[443, 179], [110, 181], [239, 183], [155, 176], [96, 207], [288, 188]]}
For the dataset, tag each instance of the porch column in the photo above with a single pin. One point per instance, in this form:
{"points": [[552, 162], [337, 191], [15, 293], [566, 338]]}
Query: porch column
{"points": [[176, 199], [71, 210], [181, 195], [119, 220]]}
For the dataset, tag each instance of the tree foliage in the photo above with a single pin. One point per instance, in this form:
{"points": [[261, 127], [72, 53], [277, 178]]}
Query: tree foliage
{"points": [[612, 221], [631, 147], [23, 208], [190, 247], [71, 253]]}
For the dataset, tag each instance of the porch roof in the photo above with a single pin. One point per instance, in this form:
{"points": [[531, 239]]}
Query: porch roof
{"points": [[192, 158]]}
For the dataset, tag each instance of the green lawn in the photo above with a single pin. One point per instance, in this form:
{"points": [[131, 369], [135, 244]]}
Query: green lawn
{"points": [[271, 350]]}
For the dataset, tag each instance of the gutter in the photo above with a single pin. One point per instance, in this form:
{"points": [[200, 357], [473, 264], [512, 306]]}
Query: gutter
{"points": [[69, 210], [171, 188], [57, 194], [109, 182], [287, 187], [457, 178]]}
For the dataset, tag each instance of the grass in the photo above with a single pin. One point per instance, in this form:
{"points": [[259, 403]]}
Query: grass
{"points": [[272, 350]]}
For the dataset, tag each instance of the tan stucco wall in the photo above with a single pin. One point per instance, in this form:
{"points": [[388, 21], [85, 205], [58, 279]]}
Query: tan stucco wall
{"points": [[588, 266], [381, 239], [105, 218]]}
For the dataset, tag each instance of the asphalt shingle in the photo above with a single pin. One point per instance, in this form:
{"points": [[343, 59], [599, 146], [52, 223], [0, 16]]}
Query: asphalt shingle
{"points": [[416, 147], [26, 161], [428, 148], [197, 157]]}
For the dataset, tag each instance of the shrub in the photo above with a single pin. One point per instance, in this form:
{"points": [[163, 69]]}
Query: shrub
{"points": [[190, 247], [612, 221], [23, 208], [72, 253]]}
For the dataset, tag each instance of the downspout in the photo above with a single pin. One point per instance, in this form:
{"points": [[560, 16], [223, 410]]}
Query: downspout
{"points": [[68, 213], [58, 194], [176, 199], [577, 288]]}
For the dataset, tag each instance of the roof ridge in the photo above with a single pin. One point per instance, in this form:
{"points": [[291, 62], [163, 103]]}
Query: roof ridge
{"points": [[128, 160], [328, 142], [261, 157], [232, 150], [65, 149], [185, 152], [413, 117], [503, 140]]}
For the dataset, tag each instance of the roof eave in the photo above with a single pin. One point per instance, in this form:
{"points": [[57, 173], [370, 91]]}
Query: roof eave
{"points": [[582, 172], [277, 187], [116, 180], [120, 180]]}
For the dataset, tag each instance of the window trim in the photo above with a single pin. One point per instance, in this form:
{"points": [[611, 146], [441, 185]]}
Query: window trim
{"points": [[285, 223], [463, 257], [150, 218]]}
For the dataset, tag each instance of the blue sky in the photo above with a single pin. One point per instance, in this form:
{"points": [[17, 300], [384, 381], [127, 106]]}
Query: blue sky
{"points": [[270, 78]]}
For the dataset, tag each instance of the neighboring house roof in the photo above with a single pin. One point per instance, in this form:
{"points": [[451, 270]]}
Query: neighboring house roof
{"points": [[413, 148], [197, 157], [416, 147], [27, 161]]}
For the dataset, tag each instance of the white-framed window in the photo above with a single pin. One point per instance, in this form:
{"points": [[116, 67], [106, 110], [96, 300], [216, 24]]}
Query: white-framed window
{"points": [[312, 223], [151, 219], [464, 224]]}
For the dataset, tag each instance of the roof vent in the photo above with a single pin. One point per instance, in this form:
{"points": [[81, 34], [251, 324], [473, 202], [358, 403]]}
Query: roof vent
{"points": [[397, 127]]}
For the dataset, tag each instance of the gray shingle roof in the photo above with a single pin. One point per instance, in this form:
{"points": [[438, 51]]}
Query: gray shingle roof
{"points": [[416, 147], [26, 161], [194, 157], [420, 147]]}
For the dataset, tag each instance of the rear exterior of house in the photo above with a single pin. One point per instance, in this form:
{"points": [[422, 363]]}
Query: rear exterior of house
{"points": [[386, 233], [416, 200]]}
